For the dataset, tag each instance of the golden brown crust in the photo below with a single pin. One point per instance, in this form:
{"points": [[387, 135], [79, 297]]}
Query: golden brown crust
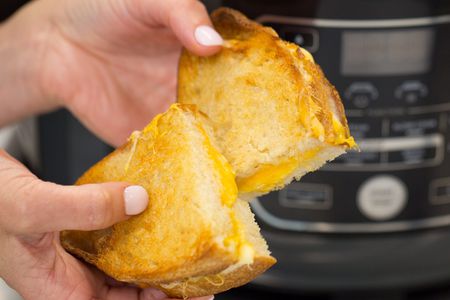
{"points": [[234, 25], [216, 283], [213, 260]]}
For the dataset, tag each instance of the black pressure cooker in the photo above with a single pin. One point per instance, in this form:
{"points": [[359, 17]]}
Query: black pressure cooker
{"points": [[379, 218], [375, 219]]}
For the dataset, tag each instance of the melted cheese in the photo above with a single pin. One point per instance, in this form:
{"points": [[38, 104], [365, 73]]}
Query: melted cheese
{"points": [[153, 126], [269, 177], [136, 135], [134, 138], [308, 111], [223, 168], [246, 254], [236, 228], [341, 137], [236, 241], [308, 118], [317, 128]]}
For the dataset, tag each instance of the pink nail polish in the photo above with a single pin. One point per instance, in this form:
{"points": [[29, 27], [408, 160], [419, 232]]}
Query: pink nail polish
{"points": [[136, 199], [207, 36]]}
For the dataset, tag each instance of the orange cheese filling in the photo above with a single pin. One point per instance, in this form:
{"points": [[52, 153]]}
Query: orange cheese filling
{"points": [[341, 136], [269, 177], [225, 172], [236, 239]]}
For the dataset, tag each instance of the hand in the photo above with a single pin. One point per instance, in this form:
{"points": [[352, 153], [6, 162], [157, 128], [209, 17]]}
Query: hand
{"points": [[113, 63], [32, 213]]}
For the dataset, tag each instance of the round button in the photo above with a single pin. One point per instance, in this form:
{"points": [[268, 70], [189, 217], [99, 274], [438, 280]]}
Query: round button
{"points": [[382, 197]]}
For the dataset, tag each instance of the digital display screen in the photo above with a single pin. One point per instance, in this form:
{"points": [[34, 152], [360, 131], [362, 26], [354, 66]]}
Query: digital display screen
{"points": [[386, 52]]}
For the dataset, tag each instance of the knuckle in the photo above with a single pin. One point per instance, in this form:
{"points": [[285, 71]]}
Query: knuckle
{"points": [[99, 211], [25, 211], [21, 201], [3, 153], [186, 6], [195, 6], [200, 5]]}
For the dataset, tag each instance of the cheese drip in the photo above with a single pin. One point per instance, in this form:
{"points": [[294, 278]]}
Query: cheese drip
{"points": [[341, 134]]}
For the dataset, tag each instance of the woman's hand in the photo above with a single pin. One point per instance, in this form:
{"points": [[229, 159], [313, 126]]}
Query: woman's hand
{"points": [[112, 63], [32, 213]]}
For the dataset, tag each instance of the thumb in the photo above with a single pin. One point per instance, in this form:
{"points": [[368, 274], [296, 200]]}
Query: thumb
{"points": [[30, 205], [188, 19]]}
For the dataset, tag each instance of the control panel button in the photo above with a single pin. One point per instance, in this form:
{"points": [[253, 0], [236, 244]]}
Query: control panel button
{"points": [[362, 128], [306, 196], [440, 191], [361, 93], [414, 126], [303, 39], [413, 156], [411, 91], [359, 130], [304, 36], [307, 38], [382, 197]]}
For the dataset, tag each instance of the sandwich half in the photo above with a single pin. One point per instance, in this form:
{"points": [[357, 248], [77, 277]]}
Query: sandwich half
{"points": [[196, 237], [274, 114]]}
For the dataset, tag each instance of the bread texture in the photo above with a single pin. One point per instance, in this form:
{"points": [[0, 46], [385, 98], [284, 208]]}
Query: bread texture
{"points": [[195, 230], [274, 114]]}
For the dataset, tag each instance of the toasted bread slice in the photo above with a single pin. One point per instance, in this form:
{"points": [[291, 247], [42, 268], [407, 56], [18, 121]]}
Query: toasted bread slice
{"points": [[194, 232], [275, 115]]}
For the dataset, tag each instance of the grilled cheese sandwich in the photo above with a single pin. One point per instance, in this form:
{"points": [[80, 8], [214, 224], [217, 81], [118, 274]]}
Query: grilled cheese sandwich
{"points": [[193, 227], [249, 120]]}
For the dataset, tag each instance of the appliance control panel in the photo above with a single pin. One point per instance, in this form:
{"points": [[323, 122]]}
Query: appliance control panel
{"points": [[393, 78]]}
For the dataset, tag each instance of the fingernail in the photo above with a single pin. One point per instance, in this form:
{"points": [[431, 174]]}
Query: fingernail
{"points": [[207, 36], [136, 199]]}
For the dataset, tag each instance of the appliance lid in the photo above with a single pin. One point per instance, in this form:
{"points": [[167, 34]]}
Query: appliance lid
{"points": [[344, 9]]}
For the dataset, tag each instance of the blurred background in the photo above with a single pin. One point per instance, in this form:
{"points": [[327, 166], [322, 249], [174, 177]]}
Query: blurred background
{"points": [[373, 224]]}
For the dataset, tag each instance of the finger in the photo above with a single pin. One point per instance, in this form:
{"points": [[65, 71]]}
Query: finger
{"points": [[192, 26], [52, 207], [189, 21], [30, 205]]}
